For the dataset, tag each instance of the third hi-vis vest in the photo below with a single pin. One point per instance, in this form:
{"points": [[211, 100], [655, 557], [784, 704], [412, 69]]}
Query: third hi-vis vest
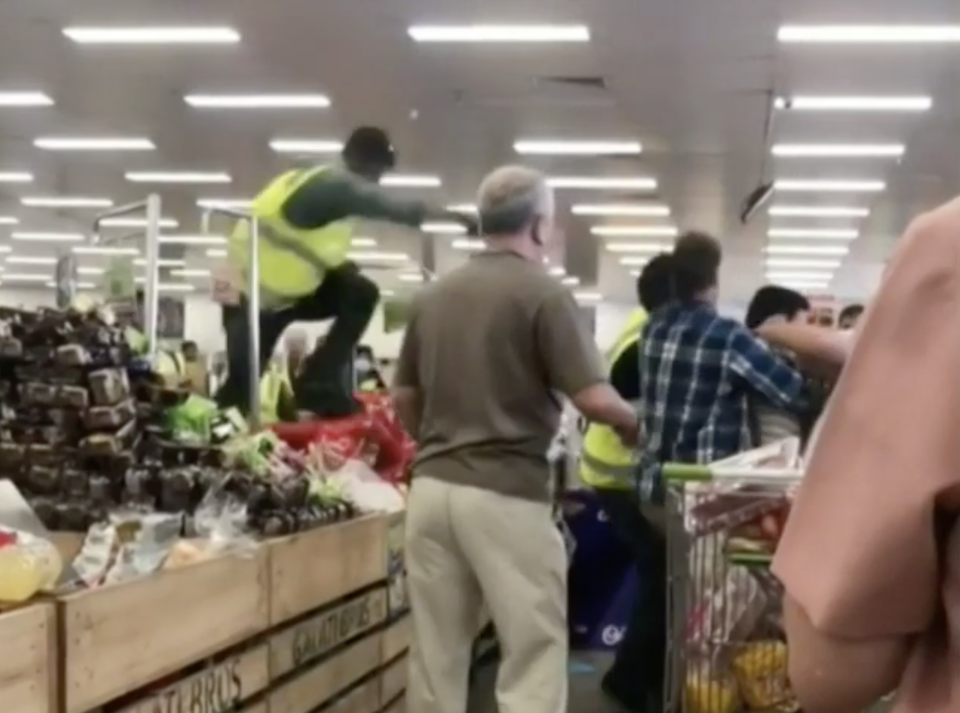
{"points": [[293, 262], [274, 380], [604, 461]]}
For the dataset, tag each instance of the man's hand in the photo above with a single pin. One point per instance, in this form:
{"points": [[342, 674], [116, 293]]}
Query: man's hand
{"points": [[629, 434]]}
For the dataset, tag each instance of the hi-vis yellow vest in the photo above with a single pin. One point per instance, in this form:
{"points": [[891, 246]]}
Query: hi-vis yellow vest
{"points": [[275, 379], [293, 262], [604, 461]]}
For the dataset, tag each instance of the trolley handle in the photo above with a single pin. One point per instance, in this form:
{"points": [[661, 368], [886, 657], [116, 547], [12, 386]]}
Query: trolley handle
{"points": [[686, 473], [678, 473]]}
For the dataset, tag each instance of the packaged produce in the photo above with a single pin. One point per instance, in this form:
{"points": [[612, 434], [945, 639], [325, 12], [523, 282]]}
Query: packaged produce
{"points": [[28, 565], [761, 671], [706, 694]]}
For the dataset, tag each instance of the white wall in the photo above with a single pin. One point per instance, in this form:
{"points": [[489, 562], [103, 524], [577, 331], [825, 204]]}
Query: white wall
{"points": [[202, 321], [611, 317]]}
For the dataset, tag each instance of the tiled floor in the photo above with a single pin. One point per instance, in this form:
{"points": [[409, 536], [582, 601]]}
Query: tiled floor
{"points": [[585, 697]]}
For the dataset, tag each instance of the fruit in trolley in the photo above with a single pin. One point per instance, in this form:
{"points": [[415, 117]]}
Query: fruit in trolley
{"points": [[706, 694], [761, 671]]}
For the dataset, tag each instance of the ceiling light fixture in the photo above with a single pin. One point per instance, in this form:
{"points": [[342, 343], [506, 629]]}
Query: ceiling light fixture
{"points": [[838, 150], [841, 103], [363, 243], [410, 277], [63, 143], [65, 202], [637, 247], [410, 181], [814, 233], [570, 280], [47, 237], [169, 286], [306, 146], [190, 272], [30, 260], [499, 33], [235, 203], [24, 99], [790, 263], [136, 223], [799, 211], [9, 220], [5, 249], [867, 34], [620, 209], [192, 240], [557, 147], [828, 186], [257, 101], [15, 177], [634, 261], [152, 35], [90, 271], [177, 177], [24, 277], [107, 250], [462, 208], [626, 231], [589, 183], [162, 262], [556, 271], [440, 228], [587, 296], [376, 255], [216, 252], [806, 250], [799, 275], [468, 244]]}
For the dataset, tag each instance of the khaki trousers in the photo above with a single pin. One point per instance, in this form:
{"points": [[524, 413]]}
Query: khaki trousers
{"points": [[467, 548]]}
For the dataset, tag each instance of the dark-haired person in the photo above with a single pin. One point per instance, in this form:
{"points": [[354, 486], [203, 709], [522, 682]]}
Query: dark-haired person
{"points": [[773, 304], [634, 680], [849, 316], [306, 274]]}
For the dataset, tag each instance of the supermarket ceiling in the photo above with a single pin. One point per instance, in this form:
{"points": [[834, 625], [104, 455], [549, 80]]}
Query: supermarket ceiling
{"points": [[650, 117]]}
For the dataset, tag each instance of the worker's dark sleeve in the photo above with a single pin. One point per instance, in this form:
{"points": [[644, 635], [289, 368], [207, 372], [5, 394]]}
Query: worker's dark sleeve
{"points": [[625, 373], [335, 195]]}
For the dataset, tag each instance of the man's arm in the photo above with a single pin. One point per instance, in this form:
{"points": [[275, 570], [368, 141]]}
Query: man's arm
{"points": [[764, 371], [334, 195], [824, 347], [405, 392], [574, 368]]}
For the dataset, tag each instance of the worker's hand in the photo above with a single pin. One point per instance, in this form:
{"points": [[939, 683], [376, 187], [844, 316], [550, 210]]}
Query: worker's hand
{"points": [[629, 434]]}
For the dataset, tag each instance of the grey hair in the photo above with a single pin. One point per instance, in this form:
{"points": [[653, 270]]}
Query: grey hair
{"points": [[511, 197]]}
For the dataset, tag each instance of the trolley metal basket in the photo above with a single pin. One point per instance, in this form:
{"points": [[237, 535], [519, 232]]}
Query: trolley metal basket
{"points": [[726, 649]]}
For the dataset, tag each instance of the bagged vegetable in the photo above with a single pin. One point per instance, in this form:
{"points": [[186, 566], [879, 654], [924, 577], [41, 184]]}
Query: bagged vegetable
{"points": [[761, 671]]}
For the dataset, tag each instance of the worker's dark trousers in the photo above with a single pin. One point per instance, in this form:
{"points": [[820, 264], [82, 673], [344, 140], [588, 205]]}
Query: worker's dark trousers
{"points": [[636, 677], [324, 386]]}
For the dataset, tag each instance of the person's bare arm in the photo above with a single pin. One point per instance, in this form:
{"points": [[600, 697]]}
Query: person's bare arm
{"points": [[823, 348], [574, 367]]}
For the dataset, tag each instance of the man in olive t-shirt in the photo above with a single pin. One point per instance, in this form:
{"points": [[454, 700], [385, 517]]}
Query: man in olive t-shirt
{"points": [[487, 356]]}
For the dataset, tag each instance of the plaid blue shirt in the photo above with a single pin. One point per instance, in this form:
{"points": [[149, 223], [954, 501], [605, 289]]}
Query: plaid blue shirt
{"points": [[697, 370]]}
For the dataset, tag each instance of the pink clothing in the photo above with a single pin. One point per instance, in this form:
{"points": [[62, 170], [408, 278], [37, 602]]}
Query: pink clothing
{"points": [[867, 555]]}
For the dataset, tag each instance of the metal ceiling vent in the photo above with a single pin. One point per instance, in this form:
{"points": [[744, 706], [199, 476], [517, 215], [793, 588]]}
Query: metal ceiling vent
{"points": [[566, 90], [571, 81]]}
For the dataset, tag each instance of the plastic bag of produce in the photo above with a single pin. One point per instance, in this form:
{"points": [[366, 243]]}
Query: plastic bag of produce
{"points": [[28, 565], [191, 420], [705, 692], [729, 612], [367, 490], [761, 671]]}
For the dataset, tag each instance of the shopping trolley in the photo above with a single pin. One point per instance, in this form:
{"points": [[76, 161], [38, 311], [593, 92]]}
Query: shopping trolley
{"points": [[726, 648]]}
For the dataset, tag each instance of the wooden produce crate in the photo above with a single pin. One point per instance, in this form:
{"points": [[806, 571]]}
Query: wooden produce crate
{"points": [[28, 665], [396, 564], [314, 568], [121, 638]]}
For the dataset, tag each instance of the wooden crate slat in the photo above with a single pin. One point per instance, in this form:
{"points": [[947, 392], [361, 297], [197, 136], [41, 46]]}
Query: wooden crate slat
{"points": [[28, 663], [396, 638], [393, 680]]}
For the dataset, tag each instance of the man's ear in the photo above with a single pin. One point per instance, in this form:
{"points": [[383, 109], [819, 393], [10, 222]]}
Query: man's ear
{"points": [[775, 319]]}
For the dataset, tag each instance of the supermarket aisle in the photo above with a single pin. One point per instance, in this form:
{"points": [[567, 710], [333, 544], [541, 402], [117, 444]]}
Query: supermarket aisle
{"points": [[585, 671]]}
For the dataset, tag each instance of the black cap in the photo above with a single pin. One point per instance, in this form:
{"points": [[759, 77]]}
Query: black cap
{"points": [[372, 145]]}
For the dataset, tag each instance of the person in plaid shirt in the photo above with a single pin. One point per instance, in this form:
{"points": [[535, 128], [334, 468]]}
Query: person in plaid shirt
{"points": [[697, 370]]}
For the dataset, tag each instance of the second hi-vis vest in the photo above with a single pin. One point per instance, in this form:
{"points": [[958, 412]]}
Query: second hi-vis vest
{"points": [[293, 262], [604, 461], [272, 384]]}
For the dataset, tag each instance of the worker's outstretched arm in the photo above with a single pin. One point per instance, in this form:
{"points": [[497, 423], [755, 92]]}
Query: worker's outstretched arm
{"points": [[336, 195]]}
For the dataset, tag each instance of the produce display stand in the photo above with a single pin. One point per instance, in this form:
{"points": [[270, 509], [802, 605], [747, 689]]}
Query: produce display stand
{"points": [[29, 664], [296, 624]]}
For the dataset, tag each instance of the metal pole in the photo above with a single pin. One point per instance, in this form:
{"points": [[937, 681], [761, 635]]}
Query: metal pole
{"points": [[151, 300], [253, 320]]}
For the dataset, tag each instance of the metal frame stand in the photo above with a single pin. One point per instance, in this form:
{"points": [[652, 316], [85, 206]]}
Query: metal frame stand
{"points": [[253, 301]]}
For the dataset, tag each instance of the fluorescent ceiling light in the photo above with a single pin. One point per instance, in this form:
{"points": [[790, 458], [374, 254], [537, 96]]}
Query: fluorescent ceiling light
{"points": [[838, 150], [829, 186], [23, 99], [162, 262], [410, 277], [192, 240], [47, 237], [363, 243], [190, 272], [625, 231], [234, 203], [637, 247], [577, 148], [65, 202], [136, 223], [152, 35], [257, 101], [468, 244], [9, 220], [376, 255], [586, 296], [177, 177], [216, 252], [443, 228], [30, 260], [25, 277], [793, 275], [841, 103], [864, 34], [410, 181], [791, 263], [620, 209], [814, 233], [603, 184], [105, 250], [556, 271], [499, 33], [15, 177], [463, 208], [62, 143], [306, 146], [169, 286], [90, 271], [570, 280], [806, 250], [5, 249], [634, 261], [806, 285], [798, 211]]}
